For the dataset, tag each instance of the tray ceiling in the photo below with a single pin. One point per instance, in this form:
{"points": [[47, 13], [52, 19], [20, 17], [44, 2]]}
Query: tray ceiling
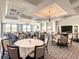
{"points": [[34, 2], [77, 9], [55, 10], [39, 8], [73, 1]]}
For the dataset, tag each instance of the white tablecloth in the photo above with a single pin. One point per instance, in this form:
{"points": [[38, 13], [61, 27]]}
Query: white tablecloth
{"points": [[27, 45], [4, 37]]}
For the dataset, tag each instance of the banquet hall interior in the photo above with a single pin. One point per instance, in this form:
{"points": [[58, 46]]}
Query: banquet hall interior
{"points": [[39, 29]]}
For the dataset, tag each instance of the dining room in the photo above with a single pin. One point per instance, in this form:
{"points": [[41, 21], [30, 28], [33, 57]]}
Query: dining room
{"points": [[39, 29]]}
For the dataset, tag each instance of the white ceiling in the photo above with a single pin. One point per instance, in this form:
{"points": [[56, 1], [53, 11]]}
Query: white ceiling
{"points": [[51, 10], [73, 1], [34, 2], [33, 8]]}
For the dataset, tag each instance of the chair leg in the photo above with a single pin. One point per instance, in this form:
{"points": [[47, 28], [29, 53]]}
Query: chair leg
{"points": [[67, 45], [2, 55], [47, 49]]}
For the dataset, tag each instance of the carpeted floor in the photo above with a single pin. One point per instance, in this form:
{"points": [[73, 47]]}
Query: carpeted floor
{"points": [[55, 52]]}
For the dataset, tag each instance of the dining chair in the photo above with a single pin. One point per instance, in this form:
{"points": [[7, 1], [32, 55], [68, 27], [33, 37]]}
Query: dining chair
{"points": [[13, 39], [70, 39], [38, 53], [4, 43], [20, 37], [63, 41], [13, 52], [46, 41], [42, 37]]}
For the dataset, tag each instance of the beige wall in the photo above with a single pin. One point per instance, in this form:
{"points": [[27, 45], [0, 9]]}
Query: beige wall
{"points": [[74, 21], [2, 12]]}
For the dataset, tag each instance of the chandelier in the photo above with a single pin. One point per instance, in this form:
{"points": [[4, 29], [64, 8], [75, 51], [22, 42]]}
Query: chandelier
{"points": [[50, 16]]}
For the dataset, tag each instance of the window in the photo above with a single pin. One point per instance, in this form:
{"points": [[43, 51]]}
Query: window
{"points": [[24, 28], [43, 27], [6, 27], [34, 28], [28, 28], [14, 28]]}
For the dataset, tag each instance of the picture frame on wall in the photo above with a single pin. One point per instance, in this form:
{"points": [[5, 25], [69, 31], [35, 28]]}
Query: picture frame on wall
{"points": [[75, 29], [75, 35]]}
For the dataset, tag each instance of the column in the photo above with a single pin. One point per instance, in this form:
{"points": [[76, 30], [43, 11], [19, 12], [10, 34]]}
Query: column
{"points": [[2, 13]]}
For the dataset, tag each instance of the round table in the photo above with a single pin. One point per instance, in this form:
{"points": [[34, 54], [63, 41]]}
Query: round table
{"points": [[26, 46], [4, 37]]}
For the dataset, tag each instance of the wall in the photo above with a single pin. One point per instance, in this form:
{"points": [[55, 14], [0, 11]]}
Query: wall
{"points": [[0, 23], [74, 21], [70, 21], [10, 21], [0, 29], [18, 21]]}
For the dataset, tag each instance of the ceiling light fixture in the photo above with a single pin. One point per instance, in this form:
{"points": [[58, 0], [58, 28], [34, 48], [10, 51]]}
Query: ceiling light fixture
{"points": [[51, 14]]}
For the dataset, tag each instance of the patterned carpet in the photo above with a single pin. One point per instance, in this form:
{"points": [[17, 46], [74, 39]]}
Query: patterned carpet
{"points": [[55, 52]]}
